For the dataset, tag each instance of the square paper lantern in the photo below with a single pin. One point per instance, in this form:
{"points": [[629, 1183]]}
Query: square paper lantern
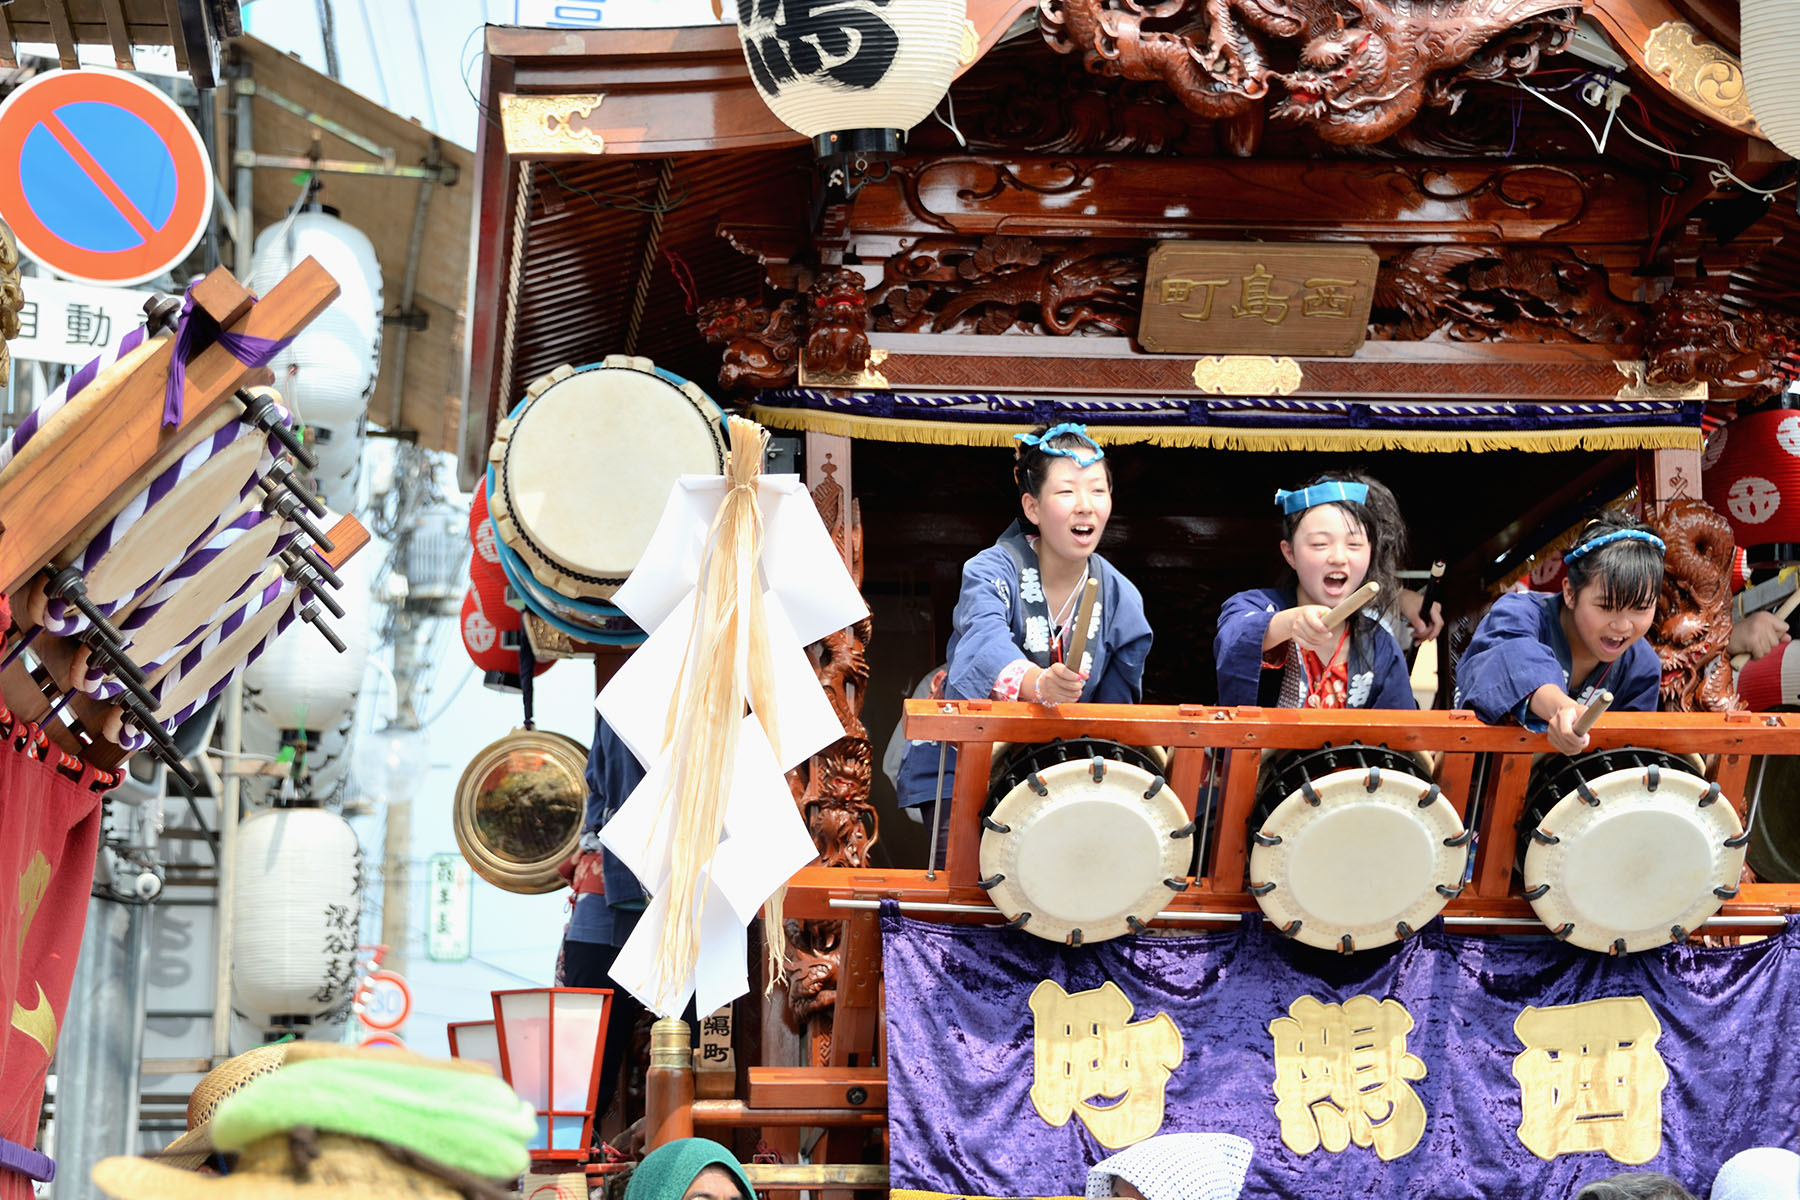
{"points": [[550, 1042]]}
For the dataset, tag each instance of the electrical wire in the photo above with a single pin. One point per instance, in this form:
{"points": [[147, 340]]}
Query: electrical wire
{"points": [[1721, 175]]}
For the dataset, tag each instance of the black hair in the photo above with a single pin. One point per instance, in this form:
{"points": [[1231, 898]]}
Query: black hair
{"points": [[1635, 1185], [1629, 571], [1031, 465], [1378, 516]]}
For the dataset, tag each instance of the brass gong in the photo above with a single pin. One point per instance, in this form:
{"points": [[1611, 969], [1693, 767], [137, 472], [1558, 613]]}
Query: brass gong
{"points": [[519, 807]]}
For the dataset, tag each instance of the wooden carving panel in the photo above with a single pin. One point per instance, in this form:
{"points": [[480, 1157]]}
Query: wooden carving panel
{"points": [[1693, 615], [1364, 68], [1741, 356]]}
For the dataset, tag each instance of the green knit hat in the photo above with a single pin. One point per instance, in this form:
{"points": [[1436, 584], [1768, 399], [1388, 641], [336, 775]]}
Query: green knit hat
{"points": [[668, 1171], [474, 1123]]}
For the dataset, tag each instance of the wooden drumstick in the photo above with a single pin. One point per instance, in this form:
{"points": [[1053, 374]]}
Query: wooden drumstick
{"points": [[1348, 606], [1782, 612], [1084, 615], [1599, 704]]}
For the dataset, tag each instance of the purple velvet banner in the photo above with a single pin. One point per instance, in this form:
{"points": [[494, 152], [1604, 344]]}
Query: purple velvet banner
{"points": [[1443, 1068]]}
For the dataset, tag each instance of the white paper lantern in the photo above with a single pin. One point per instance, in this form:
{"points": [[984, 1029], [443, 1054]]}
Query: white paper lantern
{"points": [[1770, 40], [341, 248], [298, 898], [300, 682], [852, 76]]}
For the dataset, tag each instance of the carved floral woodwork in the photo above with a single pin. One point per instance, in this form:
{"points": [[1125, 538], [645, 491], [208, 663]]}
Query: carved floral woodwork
{"points": [[1003, 284], [1692, 628], [762, 344], [832, 788], [1692, 339], [1364, 70], [1499, 294]]}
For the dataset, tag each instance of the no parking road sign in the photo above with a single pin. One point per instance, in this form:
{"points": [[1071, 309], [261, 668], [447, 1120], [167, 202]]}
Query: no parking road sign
{"points": [[102, 177]]}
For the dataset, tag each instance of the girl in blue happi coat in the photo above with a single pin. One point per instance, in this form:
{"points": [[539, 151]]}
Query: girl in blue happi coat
{"points": [[1016, 614], [1273, 647], [1538, 657]]}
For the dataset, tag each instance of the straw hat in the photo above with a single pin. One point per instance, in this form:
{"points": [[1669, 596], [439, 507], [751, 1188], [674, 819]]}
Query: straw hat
{"points": [[331, 1122], [190, 1151]]}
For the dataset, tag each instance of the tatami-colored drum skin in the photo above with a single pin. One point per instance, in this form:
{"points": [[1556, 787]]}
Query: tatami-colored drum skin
{"points": [[1629, 849], [1083, 840], [519, 807], [1353, 847], [583, 468]]}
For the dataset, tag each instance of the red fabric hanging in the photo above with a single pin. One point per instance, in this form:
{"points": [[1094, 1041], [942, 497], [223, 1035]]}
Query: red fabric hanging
{"points": [[49, 830]]}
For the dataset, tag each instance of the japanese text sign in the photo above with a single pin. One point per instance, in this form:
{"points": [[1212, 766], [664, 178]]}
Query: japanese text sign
{"points": [[1257, 298], [1442, 1068], [70, 323]]}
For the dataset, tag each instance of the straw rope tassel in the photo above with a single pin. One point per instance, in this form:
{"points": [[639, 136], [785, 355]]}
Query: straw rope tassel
{"points": [[728, 652]]}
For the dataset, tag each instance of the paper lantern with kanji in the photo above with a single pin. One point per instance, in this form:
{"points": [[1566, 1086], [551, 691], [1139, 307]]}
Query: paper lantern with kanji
{"points": [[1751, 473], [852, 77]]}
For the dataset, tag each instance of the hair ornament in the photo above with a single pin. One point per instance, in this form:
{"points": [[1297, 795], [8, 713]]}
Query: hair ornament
{"points": [[1619, 535], [1082, 456], [1331, 491]]}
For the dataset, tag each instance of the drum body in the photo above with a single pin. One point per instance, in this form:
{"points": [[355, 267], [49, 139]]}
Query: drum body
{"points": [[1628, 849], [1353, 847], [1081, 839], [583, 467]]}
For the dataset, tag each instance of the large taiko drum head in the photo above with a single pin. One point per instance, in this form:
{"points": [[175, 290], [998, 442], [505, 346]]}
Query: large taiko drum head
{"points": [[1353, 847], [1628, 849], [1082, 840], [583, 469]]}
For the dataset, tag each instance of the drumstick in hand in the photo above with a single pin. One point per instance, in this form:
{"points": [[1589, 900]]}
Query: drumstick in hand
{"points": [[1347, 607], [1591, 713], [1782, 613], [1084, 615]]}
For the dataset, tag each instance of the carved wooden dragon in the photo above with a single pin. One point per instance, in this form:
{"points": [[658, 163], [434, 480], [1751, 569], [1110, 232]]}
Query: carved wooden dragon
{"points": [[1366, 67]]}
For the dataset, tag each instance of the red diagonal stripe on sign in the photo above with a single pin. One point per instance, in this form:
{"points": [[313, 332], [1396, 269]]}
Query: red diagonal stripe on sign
{"points": [[97, 173]]}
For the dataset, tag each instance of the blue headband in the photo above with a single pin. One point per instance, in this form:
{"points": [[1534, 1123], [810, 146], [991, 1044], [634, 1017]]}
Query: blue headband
{"points": [[1041, 443], [1618, 535], [1329, 492]]}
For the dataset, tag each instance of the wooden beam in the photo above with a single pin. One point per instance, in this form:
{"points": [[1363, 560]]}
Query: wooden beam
{"points": [[1409, 202], [119, 34], [57, 11]]}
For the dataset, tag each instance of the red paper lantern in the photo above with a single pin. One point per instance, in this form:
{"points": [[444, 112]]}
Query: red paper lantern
{"points": [[484, 635], [1752, 475]]}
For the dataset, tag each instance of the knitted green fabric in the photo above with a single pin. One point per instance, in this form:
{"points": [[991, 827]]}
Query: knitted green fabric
{"points": [[668, 1171], [471, 1122]]}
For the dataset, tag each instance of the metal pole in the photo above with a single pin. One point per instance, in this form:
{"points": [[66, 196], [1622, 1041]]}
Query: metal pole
{"points": [[99, 1052], [408, 286], [396, 883], [243, 188], [230, 796]]}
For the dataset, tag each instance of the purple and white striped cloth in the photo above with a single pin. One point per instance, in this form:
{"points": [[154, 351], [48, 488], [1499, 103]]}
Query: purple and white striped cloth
{"points": [[72, 387], [169, 592], [278, 593], [63, 618]]}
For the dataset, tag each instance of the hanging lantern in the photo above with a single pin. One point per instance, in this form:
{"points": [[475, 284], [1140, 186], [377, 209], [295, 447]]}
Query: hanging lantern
{"points": [[295, 684], [550, 1045], [475, 1041], [485, 633], [1772, 69], [298, 897], [854, 77], [1751, 473]]}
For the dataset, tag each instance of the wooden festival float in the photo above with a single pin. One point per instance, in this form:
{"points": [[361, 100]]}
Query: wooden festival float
{"points": [[156, 535], [1241, 245]]}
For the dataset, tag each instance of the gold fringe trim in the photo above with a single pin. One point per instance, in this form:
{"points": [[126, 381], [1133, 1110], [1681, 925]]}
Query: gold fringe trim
{"points": [[948, 433]]}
